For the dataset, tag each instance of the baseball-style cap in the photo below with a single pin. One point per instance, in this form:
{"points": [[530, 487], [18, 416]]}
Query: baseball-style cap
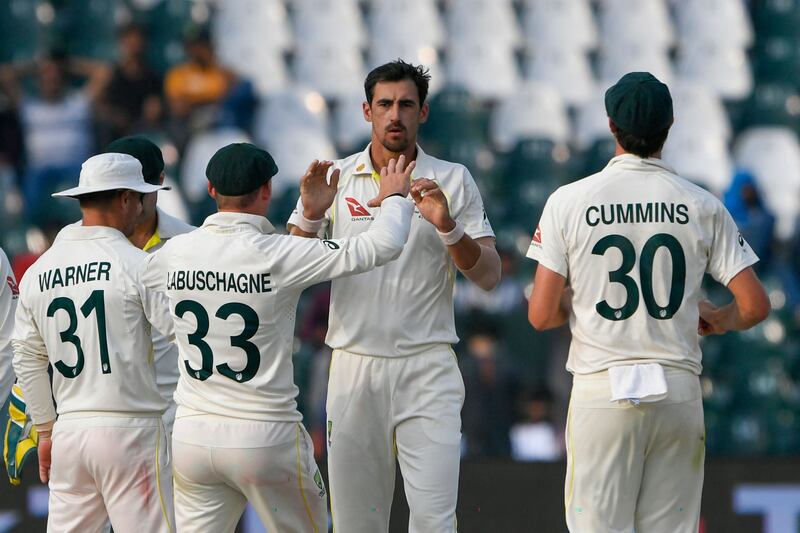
{"points": [[109, 172], [240, 168], [143, 149], [639, 104]]}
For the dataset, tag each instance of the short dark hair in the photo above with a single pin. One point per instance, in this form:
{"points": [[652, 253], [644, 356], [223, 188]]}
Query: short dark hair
{"points": [[641, 146], [99, 199], [236, 202], [397, 71]]}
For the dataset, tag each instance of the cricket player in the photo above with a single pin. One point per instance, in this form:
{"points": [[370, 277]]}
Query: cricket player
{"points": [[155, 229], [622, 254], [395, 391], [233, 288], [82, 309], [8, 305]]}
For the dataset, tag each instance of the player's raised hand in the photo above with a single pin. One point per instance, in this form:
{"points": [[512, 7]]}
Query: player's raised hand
{"points": [[395, 178], [316, 193], [432, 204]]}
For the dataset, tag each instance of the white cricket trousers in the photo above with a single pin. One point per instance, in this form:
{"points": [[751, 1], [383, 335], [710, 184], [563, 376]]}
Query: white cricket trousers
{"points": [[110, 468], [634, 467], [386, 409], [281, 482]]}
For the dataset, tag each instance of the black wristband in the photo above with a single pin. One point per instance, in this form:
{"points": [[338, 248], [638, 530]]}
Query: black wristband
{"points": [[394, 194]]}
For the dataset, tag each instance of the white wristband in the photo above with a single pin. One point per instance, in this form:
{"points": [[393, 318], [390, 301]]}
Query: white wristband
{"points": [[309, 226], [452, 236]]}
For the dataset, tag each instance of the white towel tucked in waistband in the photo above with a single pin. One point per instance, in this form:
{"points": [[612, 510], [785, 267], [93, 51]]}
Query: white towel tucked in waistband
{"points": [[637, 383]]}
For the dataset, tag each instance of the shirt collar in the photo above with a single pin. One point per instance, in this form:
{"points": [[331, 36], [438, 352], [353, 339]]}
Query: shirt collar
{"points": [[167, 226], [634, 162], [364, 167], [239, 221], [75, 232]]}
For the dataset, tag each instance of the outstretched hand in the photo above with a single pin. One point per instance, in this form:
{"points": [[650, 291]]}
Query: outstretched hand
{"points": [[395, 179], [316, 193]]}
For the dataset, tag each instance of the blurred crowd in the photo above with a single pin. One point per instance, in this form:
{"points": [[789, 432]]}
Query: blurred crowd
{"points": [[61, 103]]}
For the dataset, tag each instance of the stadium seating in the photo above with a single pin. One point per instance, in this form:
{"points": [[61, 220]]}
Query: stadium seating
{"points": [[534, 110], [627, 22], [724, 69], [566, 25], [568, 69], [471, 21], [486, 70], [615, 63], [720, 22], [199, 151]]}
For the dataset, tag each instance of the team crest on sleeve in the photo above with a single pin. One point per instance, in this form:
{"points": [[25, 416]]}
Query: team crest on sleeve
{"points": [[13, 286], [537, 237]]}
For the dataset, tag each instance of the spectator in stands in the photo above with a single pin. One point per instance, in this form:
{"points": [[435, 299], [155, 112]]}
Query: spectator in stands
{"points": [[756, 223], [131, 102], [491, 384], [202, 93], [534, 437], [56, 122]]}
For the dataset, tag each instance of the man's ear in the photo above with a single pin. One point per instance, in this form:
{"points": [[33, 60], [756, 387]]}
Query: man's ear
{"points": [[161, 177], [212, 192], [266, 190], [367, 111], [613, 127], [423, 113]]}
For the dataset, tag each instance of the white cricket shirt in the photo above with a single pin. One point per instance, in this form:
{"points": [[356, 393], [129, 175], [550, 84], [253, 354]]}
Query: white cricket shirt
{"points": [[233, 288], [405, 307], [634, 241], [8, 304], [165, 352], [82, 310]]}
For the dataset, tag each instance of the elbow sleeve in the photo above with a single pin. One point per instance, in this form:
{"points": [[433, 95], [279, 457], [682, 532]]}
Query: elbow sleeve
{"points": [[485, 273]]}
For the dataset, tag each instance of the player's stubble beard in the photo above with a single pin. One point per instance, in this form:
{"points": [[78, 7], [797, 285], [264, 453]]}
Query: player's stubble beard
{"points": [[398, 146]]}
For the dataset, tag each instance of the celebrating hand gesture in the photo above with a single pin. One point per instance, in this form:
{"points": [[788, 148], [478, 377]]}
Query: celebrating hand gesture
{"points": [[316, 193], [395, 178], [432, 204]]}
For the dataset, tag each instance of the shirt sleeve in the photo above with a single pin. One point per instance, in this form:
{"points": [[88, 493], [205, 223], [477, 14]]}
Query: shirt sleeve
{"points": [[151, 284], [8, 306], [473, 215], [30, 365], [321, 260], [548, 246], [730, 253]]}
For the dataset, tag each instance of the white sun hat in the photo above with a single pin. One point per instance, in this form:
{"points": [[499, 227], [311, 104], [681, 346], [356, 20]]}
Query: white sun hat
{"points": [[109, 172]]}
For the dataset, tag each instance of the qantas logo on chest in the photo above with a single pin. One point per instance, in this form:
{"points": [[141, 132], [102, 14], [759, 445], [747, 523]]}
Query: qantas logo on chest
{"points": [[358, 211]]}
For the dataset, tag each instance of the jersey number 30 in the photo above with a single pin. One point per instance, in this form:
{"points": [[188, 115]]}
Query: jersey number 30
{"points": [[653, 244], [241, 340]]}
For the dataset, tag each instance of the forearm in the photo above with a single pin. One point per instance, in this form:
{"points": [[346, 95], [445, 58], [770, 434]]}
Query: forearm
{"points": [[733, 318], [486, 270], [31, 370]]}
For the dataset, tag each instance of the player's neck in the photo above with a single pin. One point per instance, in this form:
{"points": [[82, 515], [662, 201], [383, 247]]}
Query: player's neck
{"points": [[619, 150], [92, 217], [144, 232], [380, 156]]}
